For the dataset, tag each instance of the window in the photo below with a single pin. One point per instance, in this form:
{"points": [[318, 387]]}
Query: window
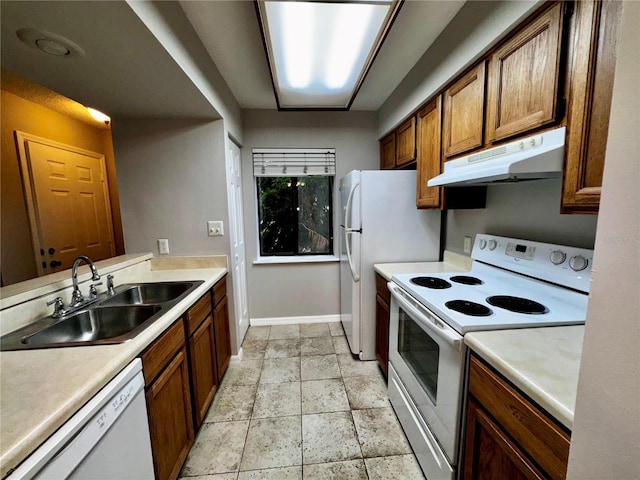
{"points": [[294, 191]]}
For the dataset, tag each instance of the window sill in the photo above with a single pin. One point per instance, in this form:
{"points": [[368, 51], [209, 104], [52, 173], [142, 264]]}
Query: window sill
{"points": [[296, 259]]}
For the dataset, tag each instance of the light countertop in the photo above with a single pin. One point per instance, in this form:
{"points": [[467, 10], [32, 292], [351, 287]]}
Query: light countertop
{"points": [[542, 362], [453, 262], [41, 389]]}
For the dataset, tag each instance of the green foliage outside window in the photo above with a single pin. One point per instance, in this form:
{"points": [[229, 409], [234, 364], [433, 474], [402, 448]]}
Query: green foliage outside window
{"points": [[295, 215]]}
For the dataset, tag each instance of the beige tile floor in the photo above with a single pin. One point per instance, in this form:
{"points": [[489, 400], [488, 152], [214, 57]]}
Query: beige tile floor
{"points": [[299, 406]]}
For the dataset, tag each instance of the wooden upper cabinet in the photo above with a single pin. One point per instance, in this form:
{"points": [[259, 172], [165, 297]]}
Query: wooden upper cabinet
{"points": [[464, 113], [429, 157], [524, 78], [388, 152], [406, 142], [590, 91]]}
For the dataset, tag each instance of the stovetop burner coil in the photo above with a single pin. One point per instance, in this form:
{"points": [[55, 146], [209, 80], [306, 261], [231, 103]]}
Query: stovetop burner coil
{"points": [[431, 282], [469, 308], [517, 304], [466, 280]]}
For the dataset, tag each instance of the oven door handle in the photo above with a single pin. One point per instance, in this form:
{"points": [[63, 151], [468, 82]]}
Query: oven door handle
{"points": [[425, 317]]}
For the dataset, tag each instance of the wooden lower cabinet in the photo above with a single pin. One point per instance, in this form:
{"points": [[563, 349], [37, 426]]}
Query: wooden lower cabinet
{"points": [[182, 370], [222, 336], [506, 435], [204, 377], [202, 356], [168, 399], [490, 452], [382, 323]]}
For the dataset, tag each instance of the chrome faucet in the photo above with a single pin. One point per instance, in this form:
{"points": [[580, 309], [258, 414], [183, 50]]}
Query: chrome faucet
{"points": [[76, 297]]}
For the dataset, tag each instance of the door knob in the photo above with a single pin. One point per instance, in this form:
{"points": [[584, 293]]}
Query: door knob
{"points": [[55, 263], [51, 251]]}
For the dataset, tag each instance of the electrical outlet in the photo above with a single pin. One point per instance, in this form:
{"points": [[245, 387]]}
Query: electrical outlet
{"points": [[467, 244], [215, 229], [163, 246]]}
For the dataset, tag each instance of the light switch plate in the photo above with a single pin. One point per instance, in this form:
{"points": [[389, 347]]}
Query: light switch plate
{"points": [[215, 228], [163, 246], [467, 244]]}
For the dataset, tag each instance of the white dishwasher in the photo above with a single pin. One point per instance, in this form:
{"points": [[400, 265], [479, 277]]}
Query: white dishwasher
{"points": [[108, 438]]}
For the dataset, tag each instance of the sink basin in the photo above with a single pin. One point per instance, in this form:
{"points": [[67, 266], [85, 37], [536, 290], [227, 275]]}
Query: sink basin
{"points": [[150, 293], [94, 325], [111, 319]]}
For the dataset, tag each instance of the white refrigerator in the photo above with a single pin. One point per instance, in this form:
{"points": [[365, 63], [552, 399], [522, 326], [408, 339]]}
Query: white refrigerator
{"points": [[379, 223]]}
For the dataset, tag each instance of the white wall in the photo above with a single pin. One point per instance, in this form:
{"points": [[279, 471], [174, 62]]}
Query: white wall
{"points": [[476, 27], [606, 430], [300, 289], [529, 210], [172, 179], [171, 175]]}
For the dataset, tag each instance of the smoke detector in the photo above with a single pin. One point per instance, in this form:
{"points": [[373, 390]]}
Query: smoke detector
{"points": [[50, 43]]}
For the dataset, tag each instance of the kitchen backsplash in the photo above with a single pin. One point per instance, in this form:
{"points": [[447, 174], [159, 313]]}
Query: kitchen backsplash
{"points": [[528, 210]]}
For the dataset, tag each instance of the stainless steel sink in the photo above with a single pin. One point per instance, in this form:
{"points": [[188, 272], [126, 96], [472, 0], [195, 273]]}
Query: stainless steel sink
{"points": [[149, 293], [97, 324], [111, 319]]}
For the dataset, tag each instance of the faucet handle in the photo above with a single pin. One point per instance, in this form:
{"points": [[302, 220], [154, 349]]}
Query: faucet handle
{"points": [[58, 304], [93, 292]]}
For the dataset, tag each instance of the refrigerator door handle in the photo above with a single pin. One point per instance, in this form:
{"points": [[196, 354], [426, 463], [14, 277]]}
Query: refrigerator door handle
{"points": [[348, 231], [347, 214], [354, 274]]}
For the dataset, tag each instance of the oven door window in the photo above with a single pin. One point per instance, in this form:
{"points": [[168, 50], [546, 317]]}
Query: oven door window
{"points": [[420, 352]]}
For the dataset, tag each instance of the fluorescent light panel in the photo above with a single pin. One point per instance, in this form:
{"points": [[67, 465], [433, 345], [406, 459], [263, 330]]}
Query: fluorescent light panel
{"points": [[318, 51]]}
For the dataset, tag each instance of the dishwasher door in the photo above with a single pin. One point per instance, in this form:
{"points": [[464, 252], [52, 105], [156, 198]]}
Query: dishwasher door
{"points": [[107, 439]]}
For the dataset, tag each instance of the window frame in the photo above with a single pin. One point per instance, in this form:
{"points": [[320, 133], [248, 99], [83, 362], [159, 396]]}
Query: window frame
{"points": [[297, 258]]}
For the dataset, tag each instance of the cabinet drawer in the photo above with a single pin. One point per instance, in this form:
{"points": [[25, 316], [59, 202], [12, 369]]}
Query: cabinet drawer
{"points": [[219, 290], [529, 427], [197, 313], [382, 289], [162, 350]]}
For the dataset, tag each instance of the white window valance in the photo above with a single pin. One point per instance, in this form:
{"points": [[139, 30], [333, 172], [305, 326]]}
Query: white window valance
{"points": [[290, 162]]}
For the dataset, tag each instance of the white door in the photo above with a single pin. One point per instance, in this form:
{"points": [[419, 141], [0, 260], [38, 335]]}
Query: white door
{"points": [[236, 230]]}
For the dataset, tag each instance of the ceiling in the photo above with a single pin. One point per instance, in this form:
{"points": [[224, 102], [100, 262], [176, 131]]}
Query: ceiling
{"points": [[126, 72]]}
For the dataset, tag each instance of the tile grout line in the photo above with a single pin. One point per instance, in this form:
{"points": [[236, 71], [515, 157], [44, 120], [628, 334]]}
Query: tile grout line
{"points": [[344, 367]]}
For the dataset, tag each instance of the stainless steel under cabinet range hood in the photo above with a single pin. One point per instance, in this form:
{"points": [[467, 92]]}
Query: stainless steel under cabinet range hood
{"points": [[536, 157]]}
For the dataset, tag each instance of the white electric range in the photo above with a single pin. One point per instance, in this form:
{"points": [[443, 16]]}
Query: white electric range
{"points": [[513, 283]]}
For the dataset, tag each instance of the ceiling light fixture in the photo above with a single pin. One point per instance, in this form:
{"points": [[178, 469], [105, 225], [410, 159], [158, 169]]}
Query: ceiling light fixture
{"points": [[99, 116], [319, 52]]}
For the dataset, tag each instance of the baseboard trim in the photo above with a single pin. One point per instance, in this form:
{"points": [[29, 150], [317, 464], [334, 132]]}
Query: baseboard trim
{"points": [[294, 320], [238, 357]]}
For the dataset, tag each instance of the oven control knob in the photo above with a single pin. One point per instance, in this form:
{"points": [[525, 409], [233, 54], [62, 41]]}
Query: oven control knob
{"points": [[492, 244], [557, 257], [578, 263], [482, 243]]}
